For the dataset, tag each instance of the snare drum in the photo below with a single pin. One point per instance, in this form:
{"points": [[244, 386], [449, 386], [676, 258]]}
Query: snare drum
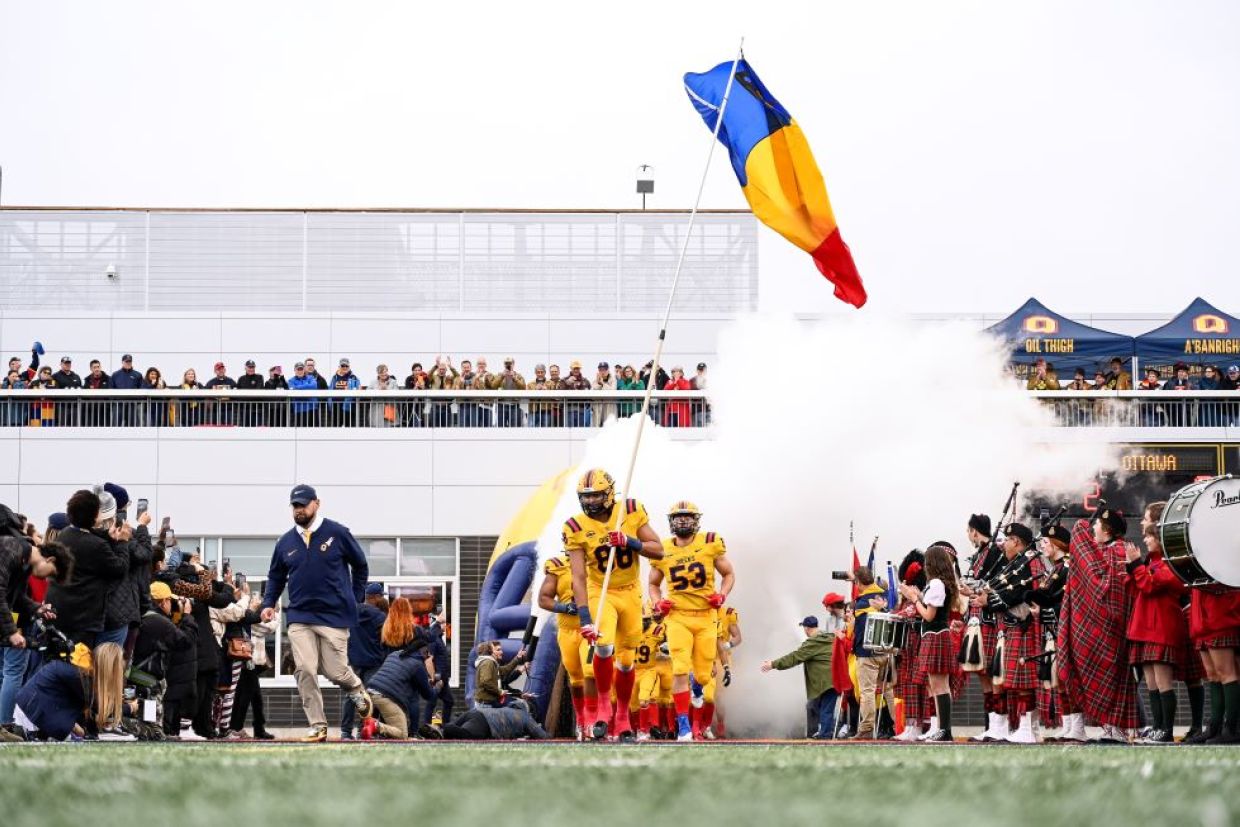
{"points": [[1200, 532], [884, 633]]}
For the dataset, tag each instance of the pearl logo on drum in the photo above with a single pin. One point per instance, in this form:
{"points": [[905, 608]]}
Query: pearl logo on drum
{"points": [[1221, 499]]}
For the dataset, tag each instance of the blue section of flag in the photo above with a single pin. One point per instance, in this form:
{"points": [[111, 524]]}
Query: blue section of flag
{"points": [[892, 594], [752, 116]]}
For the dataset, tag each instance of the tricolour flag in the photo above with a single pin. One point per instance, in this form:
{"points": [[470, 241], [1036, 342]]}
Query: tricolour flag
{"points": [[776, 170]]}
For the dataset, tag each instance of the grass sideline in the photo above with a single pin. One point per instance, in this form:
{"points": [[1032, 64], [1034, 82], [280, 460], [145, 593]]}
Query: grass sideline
{"points": [[524, 783]]}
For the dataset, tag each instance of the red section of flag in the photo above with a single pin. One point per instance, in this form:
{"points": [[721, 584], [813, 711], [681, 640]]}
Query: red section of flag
{"points": [[835, 261], [856, 590]]}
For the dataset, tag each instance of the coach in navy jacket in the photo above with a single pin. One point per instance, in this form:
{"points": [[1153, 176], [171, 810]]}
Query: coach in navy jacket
{"points": [[325, 571]]}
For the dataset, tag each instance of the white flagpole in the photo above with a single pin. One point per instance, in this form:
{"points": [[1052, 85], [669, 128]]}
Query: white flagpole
{"points": [[658, 351]]}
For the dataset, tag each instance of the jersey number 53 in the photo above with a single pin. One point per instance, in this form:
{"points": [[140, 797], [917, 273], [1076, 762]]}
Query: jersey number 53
{"points": [[692, 576]]}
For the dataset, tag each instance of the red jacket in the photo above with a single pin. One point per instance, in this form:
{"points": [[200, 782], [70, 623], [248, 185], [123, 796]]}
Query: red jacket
{"points": [[1210, 614], [841, 682], [678, 409], [1156, 615]]}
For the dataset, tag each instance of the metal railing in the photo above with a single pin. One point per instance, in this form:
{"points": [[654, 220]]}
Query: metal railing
{"points": [[341, 409], [1143, 409]]}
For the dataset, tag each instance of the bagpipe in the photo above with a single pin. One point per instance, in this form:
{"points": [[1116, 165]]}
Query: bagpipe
{"points": [[1006, 591], [993, 554]]}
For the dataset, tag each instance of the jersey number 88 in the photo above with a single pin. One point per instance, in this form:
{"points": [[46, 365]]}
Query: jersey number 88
{"points": [[624, 557]]}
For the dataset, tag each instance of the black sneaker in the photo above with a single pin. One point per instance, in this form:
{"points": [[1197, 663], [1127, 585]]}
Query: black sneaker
{"points": [[1226, 735], [1159, 736], [1192, 733], [599, 731], [263, 735], [1201, 736]]}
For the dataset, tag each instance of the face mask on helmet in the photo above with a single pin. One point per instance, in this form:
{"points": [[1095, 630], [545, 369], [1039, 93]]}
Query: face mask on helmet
{"points": [[646, 621], [593, 502], [684, 525]]}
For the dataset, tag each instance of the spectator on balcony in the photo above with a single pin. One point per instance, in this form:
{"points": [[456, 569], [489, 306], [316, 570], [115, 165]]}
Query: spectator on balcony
{"points": [[65, 377], [1230, 381], [221, 379], [467, 412], [97, 380], [1177, 414], [443, 378], [629, 381], [480, 380], [95, 414], [250, 414], [661, 378], [1119, 379], [1209, 380], [250, 380], [12, 411], [540, 412], [189, 413], [29, 373], [1100, 382], [701, 410], [304, 411], [604, 380], [127, 413], [1078, 383], [158, 411], [577, 414], [218, 412], [1042, 379], [383, 414], [1151, 381], [313, 372], [275, 379], [344, 410], [677, 414], [509, 380]]}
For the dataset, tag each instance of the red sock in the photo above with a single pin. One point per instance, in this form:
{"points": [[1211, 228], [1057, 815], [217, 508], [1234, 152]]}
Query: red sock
{"points": [[624, 687], [988, 702], [720, 730], [708, 714], [647, 718], [589, 706], [681, 701], [1000, 703], [579, 707], [603, 672], [665, 716]]}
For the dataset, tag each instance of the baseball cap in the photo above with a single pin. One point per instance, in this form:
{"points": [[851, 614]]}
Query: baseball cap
{"points": [[832, 598], [374, 588], [810, 622], [219, 365], [603, 365], [160, 590], [701, 366], [299, 366], [574, 364], [1233, 368], [65, 360], [344, 363], [302, 495], [249, 363], [127, 358]]}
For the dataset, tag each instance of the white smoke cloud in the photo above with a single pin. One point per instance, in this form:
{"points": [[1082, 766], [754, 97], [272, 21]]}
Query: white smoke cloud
{"points": [[903, 429]]}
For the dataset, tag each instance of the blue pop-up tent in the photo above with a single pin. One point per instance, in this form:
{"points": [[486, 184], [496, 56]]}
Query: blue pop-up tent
{"points": [[1200, 335], [1036, 331]]}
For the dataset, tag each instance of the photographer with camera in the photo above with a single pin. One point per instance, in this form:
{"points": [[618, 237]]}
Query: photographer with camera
{"points": [[161, 636], [20, 560], [80, 603]]}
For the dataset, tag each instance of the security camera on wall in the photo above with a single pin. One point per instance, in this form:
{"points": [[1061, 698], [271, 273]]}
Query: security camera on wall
{"points": [[111, 271]]}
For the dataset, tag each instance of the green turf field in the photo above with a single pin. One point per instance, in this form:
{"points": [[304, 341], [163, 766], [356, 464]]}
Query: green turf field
{"points": [[911, 786]]}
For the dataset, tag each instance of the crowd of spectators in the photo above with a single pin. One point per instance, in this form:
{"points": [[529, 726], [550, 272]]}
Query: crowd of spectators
{"points": [[1116, 378], [443, 375], [110, 633]]}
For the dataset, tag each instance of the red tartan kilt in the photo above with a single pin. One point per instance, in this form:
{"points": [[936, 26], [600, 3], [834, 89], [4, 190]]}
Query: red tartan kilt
{"points": [[990, 636], [906, 672], [1017, 643], [1140, 651], [938, 655], [1193, 671], [1226, 640]]}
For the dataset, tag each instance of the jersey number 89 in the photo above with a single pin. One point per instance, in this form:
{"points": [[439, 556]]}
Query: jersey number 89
{"points": [[696, 578], [624, 557]]}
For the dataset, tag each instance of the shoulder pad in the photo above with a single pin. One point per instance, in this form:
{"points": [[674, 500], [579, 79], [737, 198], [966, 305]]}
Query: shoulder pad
{"points": [[553, 563], [630, 506], [710, 537], [572, 524]]}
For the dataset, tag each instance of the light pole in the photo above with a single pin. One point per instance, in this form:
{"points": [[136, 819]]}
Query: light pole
{"points": [[645, 182]]}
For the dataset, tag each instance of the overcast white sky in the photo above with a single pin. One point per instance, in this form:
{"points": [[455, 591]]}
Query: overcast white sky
{"points": [[976, 152]]}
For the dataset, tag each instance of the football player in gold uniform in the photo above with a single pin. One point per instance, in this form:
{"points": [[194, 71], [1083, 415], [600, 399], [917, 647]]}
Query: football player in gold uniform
{"points": [[690, 562], [592, 539], [556, 595]]}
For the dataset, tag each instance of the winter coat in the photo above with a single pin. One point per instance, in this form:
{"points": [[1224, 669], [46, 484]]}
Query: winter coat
{"points": [[365, 648], [127, 380], [402, 677], [181, 666], [1156, 616], [384, 414], [55, 699], [249, 382], [303, 383], [815, 654], [438, 650], [99, 564], [276, 383], [326, 577], [510, 723], [130, 597], [488, 676], [14, 586], [158, 638]]}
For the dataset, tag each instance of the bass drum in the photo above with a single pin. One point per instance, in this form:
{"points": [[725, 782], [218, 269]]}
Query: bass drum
{"points": [[1200, 532]]}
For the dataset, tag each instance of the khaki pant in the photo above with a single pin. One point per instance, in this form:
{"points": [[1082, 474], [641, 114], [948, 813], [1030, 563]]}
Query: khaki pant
{"points": [[320, 649], [869, 672], [393, 723]]}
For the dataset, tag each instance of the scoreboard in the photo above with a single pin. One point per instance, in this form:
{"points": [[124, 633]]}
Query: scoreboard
{"points": [[1143, 473]]}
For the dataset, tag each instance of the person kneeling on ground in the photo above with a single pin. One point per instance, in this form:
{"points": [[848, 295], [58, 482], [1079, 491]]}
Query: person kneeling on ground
{"points": [[489, 723], [392, 688], [71, 699]]}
